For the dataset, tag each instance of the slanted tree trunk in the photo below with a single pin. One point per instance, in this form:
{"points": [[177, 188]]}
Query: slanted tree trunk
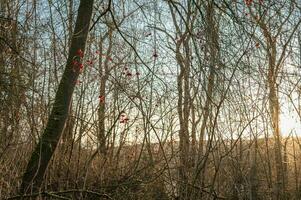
{"points": [[37, 165]]}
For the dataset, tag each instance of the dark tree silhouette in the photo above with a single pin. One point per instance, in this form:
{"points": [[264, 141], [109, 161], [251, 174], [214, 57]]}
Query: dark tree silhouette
{"points": [[37, 165]]}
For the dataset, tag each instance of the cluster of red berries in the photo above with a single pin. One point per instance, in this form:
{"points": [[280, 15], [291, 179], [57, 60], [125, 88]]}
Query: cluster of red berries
{"points": [[76, 63], [101, 98], [128, 73], [249, 2]]}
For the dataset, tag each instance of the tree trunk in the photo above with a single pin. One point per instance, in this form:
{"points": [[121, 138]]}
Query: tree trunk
{"points": [[183, 112], [253, 171], [104, 74], [212, 47], [36, 168], [275, 112], [274, 107]]}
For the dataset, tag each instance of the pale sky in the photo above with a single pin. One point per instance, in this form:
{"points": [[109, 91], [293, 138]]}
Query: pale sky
{"points": [[289, 120]]}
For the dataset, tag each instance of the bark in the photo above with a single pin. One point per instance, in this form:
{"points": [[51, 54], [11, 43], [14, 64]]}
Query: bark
{"points": [[183, 112], [183, 132], [275, 112], [253, 171], [274, 106], [102, 96], [213, 48], [194, 125], [285, 164], [36, 168], [104, 74]]}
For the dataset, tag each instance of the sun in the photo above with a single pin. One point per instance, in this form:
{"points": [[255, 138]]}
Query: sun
{"points": [[290, 123]]}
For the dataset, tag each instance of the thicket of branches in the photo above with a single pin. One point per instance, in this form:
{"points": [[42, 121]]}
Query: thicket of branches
{"points": [[161, 99]]}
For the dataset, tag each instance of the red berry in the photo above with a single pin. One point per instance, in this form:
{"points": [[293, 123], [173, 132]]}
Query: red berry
{"points": [[248, 2], [101, 98], [74, 63], [80, 53]]}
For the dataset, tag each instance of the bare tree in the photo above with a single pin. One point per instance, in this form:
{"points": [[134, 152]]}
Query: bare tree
{"points": [[36, 168]]}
